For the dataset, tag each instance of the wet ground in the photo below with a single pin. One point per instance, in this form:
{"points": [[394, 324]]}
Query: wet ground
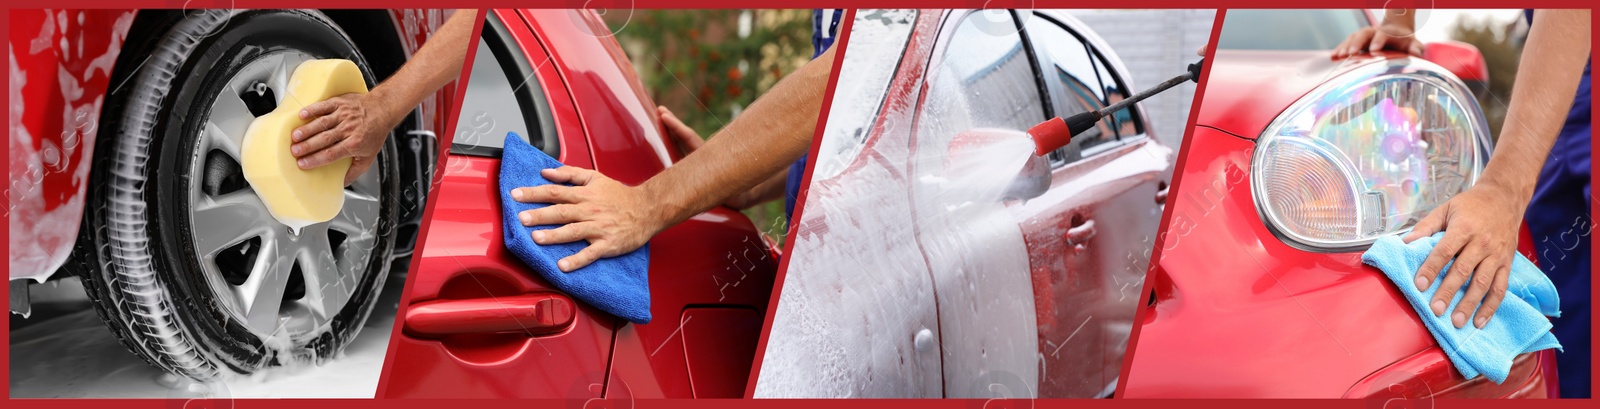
{"points": [[63, 350]]}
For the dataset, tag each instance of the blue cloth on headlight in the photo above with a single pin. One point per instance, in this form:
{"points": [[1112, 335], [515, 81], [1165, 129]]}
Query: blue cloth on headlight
{"points": [[1518, 326], [617, 285]]}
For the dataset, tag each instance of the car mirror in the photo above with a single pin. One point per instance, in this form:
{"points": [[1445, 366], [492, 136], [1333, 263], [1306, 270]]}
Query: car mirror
{"points": [[1462, 59]]}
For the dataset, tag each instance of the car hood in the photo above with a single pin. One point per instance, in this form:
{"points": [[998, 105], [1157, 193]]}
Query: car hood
{"points": [[1247, 89]]}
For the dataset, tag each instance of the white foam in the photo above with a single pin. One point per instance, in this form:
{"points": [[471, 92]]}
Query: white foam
{"points": [[859, 315]]}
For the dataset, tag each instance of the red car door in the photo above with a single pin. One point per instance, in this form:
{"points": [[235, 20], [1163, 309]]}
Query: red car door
{"points": [[980, 77], [1078, 248], [1089, 235], [481, 324], [467, 276], [710, 276]]}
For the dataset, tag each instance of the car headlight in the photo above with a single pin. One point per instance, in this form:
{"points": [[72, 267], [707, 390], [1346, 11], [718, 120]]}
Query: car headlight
{"points": [[1368, 154]]}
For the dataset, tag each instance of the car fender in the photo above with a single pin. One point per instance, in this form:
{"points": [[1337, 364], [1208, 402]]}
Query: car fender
{"points": [[61, 67], [1274, 321]]}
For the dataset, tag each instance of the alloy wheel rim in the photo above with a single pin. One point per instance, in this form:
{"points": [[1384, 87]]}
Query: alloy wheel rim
{"points": [[275, 281]]}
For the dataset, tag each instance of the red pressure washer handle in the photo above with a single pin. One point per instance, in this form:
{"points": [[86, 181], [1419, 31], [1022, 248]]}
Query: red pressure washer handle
{"points": [[1057, 132]]}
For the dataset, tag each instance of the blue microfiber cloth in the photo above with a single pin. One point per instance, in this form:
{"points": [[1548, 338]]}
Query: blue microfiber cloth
{"points": [[617, 285], [1518, 327]]}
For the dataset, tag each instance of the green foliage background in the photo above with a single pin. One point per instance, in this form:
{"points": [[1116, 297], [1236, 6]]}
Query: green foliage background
{"points": [[1502, 50], [689, 62]]}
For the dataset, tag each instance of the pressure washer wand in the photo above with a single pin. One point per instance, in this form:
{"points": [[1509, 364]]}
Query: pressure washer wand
{"points": [[1057, 132]]}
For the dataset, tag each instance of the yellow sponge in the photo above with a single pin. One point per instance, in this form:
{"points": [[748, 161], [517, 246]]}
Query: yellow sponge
{"points": [[298, 198]]}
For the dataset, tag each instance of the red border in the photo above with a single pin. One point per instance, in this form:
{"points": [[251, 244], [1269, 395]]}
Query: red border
{"points": [[1166, 214], [846, 4], [5, 336], [775, 403], [427, 210], [522, 404], [1594, 286]]}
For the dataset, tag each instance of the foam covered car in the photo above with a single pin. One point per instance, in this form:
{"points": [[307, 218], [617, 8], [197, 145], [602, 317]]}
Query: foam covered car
{"points": [[933, 258]]}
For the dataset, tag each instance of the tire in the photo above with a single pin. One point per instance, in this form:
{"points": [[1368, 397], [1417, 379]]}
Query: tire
{"points": [[161, 172]]}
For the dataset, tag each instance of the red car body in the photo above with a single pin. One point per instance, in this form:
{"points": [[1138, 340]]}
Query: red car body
{"points": [[479, 323], [61, 68], [1236, 312]]}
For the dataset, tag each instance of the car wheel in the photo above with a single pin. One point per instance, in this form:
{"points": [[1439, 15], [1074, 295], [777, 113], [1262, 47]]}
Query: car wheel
{"points": [[178, 253]]}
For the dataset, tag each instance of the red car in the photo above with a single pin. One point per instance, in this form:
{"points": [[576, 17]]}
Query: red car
{"points": [[929, 261], [479, 323], [125, 127], [1296, 164]]}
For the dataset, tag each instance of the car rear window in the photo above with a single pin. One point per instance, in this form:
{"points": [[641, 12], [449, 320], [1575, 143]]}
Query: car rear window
{"points": [[504, 96], [1288, 29], [1085, 78], [877, 41]]}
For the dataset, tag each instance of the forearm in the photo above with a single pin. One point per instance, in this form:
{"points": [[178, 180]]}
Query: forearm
{"points": [[436, 63], [771, 134], [1547, 78], [768, 190]]}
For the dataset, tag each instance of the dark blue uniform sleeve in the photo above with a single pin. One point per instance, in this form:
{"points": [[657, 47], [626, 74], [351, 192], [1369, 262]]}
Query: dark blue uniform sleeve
{"points": [[1559, 222], [824, 29]]}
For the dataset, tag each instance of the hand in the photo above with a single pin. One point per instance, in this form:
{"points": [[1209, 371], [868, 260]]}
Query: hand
{"points": [[1387, 36], [1480, 232], [688, 140], [347, 126], [614, 218]]}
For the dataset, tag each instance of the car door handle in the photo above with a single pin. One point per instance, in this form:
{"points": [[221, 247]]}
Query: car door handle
{"points": [[533, 314], [1161, 195], [1081, 232]]}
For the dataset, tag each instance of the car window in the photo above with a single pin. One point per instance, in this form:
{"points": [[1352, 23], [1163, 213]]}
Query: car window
{"points": [[1126, 121], [1248, 29], [878, 38], [504, 96], [1079, 72], [985, 80]]}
